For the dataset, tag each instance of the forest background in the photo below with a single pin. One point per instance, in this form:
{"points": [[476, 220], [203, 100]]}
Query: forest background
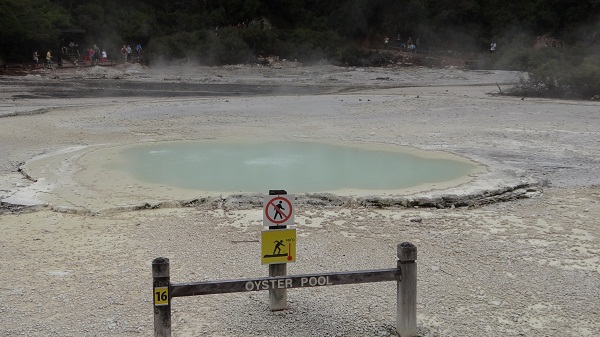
{"points": [[344, 32]]}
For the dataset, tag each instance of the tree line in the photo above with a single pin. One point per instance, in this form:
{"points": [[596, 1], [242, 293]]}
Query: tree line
{"points": [[295, 29], [218, 32]]}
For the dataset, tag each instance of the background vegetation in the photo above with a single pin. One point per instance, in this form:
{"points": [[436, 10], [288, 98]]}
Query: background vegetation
{"points": [[348, 32]]}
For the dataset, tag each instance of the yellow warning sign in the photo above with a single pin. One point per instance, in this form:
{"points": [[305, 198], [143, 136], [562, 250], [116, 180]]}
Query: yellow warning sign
{"points": [[278, 246]]}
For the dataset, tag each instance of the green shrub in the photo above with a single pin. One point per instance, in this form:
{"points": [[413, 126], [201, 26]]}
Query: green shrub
{"points": [[308, 45], [201, 46], [571, 72], [583, 81], [351, 55], [230, 48], [261, 41], [177, 46]]}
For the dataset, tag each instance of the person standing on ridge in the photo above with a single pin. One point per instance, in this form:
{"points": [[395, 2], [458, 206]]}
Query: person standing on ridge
{"points": [[49, 59], [129, 53], [124, 53], [97, 54], [36, 59]]}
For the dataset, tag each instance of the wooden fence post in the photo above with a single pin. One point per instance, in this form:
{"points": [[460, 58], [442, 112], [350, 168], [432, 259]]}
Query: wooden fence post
{"points": [[406, 314], [161, 281]]}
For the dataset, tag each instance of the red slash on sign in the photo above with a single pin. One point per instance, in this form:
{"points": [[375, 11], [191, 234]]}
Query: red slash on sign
{"points": [[279, 210]]}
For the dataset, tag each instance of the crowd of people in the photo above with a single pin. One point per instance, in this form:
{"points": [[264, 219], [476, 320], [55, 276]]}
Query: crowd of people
{"points": [[90, 56], [409, 45], [127, 52], [48, 62], [264, 24]]}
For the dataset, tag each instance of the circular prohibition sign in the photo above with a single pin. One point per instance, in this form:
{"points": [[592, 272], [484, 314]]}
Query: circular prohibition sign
{"points": [[279, 211]]}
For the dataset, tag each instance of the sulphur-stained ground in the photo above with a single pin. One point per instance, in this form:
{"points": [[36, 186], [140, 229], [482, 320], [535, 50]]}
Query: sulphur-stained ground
{"points": [[76, 263]]}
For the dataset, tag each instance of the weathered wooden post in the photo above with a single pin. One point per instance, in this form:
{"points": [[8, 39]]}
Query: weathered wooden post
{"points": [[161, 280], [277, 297], [406, 314]]}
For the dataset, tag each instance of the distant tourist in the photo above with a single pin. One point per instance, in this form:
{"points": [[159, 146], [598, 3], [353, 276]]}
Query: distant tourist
{"points": [[97, 54], [129, 53], [91, 55], [36, 59], [410, 45], [124, 53], [386, 41], [493, 47], [49, 59], [139, 50]]}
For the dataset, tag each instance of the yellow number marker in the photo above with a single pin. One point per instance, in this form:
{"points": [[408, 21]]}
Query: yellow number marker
{"points": [[161, 296]]}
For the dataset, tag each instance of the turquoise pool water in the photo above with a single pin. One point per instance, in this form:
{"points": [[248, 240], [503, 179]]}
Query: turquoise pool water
{"points": [[298, 167]]}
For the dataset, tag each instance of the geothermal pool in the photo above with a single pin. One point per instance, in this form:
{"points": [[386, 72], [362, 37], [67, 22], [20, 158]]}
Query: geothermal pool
{"points": [[296, 166]]}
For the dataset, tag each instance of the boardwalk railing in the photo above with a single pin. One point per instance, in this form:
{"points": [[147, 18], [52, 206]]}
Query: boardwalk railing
{"points": [[405, 274]]}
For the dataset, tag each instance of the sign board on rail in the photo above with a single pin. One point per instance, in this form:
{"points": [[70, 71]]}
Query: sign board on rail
{"points": [[278, 246], [278, 210]]}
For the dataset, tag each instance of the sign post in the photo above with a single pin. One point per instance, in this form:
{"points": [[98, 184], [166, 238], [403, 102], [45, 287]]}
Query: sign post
{"points": [[278, 214]]}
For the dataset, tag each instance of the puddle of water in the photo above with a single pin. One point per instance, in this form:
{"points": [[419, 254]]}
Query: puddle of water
{"points": [[298, 167]]}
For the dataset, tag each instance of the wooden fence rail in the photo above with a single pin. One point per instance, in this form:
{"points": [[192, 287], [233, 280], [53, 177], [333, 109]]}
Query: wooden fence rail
{"points": [[405, 274]]}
